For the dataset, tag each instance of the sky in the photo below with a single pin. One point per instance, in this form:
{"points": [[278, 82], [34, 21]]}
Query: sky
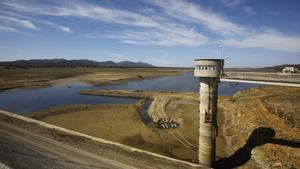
{"points": [[250, 33]]}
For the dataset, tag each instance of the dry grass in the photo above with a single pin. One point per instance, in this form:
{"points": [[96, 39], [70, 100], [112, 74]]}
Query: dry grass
{"points": [[275, 108], [119, 123]]}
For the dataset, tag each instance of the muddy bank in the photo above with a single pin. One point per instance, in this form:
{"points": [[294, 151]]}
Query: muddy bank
{"points": [[140, 93], [42, 77]]}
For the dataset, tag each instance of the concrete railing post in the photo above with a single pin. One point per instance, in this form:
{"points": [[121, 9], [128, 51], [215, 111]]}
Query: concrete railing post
{"points": [[209, 71]]}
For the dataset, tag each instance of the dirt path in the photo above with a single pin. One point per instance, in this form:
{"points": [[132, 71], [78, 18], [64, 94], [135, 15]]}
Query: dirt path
{"points": [[162, 113]]}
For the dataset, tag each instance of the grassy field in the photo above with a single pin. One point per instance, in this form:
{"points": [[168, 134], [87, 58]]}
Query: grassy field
{"points": [[34, 77]]}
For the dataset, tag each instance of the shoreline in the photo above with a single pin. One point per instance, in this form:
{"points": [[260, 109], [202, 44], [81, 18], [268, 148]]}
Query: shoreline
{"points": [[20, 79]]}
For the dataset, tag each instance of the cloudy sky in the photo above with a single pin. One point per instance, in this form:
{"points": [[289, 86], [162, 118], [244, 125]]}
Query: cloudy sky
{"points": [[253, 33]]}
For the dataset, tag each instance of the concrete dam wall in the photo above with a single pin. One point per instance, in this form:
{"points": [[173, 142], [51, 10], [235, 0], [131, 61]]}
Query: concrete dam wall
{"points": [[104, 148], [274, 77]]}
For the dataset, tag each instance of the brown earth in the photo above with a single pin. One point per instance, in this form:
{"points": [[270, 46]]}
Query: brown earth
{"points": [[119, 123], [262, 128], [122, 123], [258, 128], [39, 77]]}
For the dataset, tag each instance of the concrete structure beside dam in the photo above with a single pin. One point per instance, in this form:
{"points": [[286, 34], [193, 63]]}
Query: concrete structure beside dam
{"points": [[208, 71]]}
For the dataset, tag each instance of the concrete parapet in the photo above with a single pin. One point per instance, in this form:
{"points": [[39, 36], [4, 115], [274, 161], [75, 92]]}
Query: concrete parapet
{"points": [[261, 76]]}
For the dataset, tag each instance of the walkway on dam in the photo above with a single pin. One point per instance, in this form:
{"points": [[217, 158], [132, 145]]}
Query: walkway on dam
{"points": [[267, 78], [22, 149], [261, 82]]}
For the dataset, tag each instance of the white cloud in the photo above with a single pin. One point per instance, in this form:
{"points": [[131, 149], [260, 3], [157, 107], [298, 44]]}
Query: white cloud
{"points": [[65, 29], [84, 10], [17, 22], [231, 33], [194, 13], [56, 26], [232, 3], [249, 11], [152, 27], [59, 27], [156, 30], [6, 29], [273, 41], [162, 38]]}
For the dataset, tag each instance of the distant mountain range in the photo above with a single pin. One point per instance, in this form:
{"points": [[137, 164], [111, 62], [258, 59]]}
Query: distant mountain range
{"points": [[72, 63]]}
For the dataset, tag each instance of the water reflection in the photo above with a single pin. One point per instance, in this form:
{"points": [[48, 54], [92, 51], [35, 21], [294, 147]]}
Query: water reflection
{"points": [[23, 101]]}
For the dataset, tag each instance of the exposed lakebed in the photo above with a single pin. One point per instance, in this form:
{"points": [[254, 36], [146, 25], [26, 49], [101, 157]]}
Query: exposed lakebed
{"points": [[25, 101]]}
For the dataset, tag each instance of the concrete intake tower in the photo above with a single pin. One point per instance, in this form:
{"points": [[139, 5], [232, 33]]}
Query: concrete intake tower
{"points": [[208, 71]]}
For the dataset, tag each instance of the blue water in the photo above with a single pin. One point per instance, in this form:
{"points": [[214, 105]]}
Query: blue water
{"points": [[183, 83], [24, 101], [144, 112]]}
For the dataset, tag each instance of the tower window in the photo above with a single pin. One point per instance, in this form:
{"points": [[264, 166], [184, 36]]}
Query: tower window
{"points": [[207, 117]]}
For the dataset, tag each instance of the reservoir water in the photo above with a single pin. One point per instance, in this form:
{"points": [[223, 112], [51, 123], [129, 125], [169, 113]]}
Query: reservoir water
{"points": [[24, 101]]}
